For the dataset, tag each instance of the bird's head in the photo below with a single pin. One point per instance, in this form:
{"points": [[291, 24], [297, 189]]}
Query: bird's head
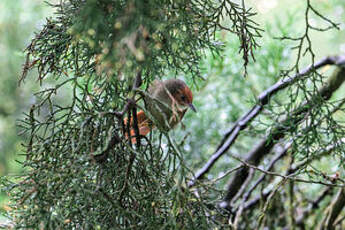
{"points": [[181, 93]]}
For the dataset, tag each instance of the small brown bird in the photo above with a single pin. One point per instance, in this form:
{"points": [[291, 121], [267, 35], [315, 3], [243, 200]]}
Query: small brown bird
{"points": [[166, 102]]}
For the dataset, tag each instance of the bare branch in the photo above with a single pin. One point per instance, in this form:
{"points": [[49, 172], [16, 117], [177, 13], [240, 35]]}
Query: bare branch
{"points": [[231, 136], [333, 211], [278, 132], [301, 219]]}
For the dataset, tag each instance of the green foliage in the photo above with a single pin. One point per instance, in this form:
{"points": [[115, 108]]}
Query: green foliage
{"points": [[14, 34], [120, 38], [83, 173], [18, 19]]}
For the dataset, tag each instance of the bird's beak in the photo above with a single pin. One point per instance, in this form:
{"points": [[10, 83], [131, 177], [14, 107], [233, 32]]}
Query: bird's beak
{"points": [[192, 107]]}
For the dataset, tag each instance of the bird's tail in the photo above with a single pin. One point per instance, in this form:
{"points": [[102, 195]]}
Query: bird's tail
{"points": [[144, 125]]}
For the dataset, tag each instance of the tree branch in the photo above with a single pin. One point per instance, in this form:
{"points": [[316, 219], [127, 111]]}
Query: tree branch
{"points": [[230, 137], [278, 132], [301, 219], [289, 172], [333, 211]]}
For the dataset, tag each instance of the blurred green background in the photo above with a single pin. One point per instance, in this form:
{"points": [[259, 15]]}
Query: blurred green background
{"points": [[18, 22], [20, 19]]}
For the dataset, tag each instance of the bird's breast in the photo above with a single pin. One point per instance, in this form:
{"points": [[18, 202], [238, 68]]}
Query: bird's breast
{"points": [[166, 114]]}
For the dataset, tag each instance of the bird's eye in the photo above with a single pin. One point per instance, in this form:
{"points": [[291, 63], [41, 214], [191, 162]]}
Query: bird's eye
{"points": [[183, 98]]}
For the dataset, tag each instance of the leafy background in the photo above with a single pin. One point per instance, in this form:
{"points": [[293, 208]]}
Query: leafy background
{"points": [[221, 98]]}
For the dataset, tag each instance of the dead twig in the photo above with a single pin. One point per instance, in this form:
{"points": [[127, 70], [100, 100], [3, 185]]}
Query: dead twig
{"points": [[263, 99]]}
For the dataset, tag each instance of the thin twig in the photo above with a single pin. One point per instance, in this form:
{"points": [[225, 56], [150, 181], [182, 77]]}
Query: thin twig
{"points": [[230, 137], [290, 177]]}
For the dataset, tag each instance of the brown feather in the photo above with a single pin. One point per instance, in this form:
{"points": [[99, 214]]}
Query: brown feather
{"points": [[167, 103]]}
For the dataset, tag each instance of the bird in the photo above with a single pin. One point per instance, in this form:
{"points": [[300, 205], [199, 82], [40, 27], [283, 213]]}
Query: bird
{"points": [[166, 103]]}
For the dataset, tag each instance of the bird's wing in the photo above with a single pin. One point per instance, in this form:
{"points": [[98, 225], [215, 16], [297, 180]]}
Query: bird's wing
{"points": [[155, 85]]}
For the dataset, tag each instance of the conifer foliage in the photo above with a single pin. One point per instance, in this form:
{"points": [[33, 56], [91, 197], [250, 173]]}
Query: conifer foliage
{"points": [[81, 171], [278, 164]]}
